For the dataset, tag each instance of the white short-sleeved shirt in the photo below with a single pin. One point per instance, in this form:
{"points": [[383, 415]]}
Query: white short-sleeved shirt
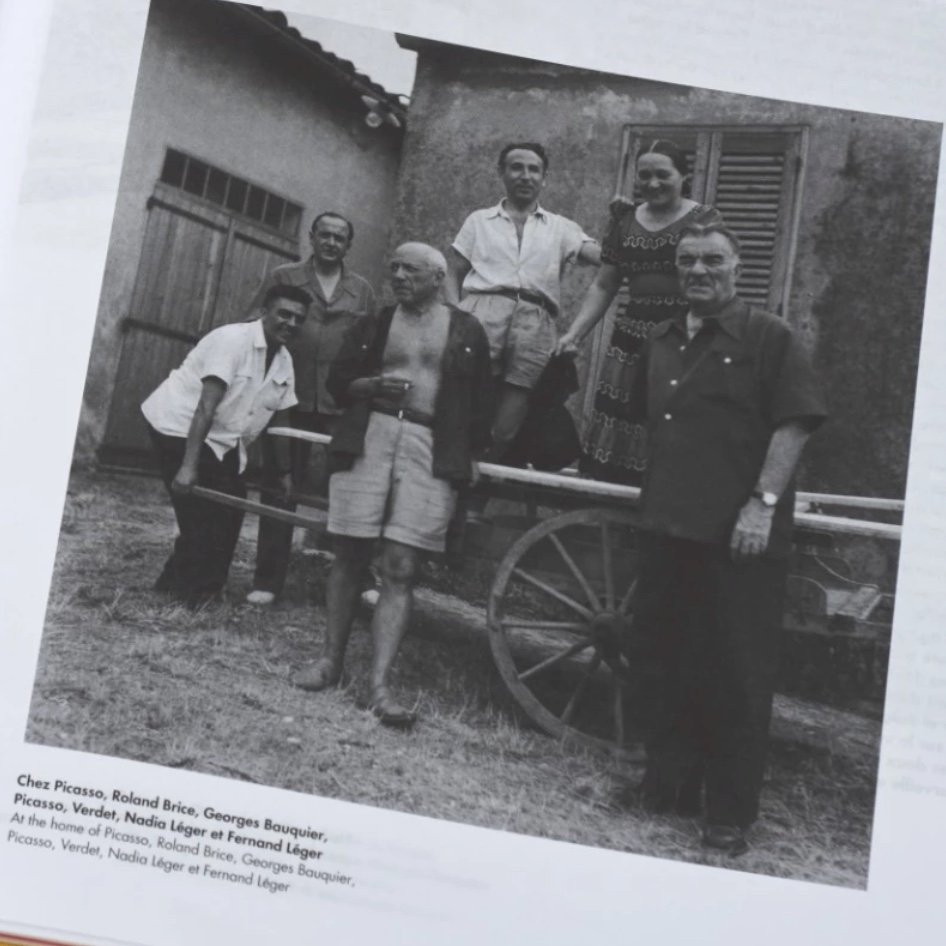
{"points": [[488, 241], [237, 355]]}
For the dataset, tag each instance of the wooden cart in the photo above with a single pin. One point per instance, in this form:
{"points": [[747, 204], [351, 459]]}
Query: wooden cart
{"points": [[561, 600]]}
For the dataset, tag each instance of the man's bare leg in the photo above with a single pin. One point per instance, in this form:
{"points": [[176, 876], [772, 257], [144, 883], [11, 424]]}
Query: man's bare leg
{"points": [[511, 411], [398, 570], [342, 591]]}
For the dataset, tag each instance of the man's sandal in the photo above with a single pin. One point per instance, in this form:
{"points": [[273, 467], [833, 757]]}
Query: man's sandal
{"points": [[388, 711], [318, 675]]}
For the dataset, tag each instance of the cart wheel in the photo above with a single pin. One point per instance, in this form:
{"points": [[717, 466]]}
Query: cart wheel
{"points": [[559, 608]]}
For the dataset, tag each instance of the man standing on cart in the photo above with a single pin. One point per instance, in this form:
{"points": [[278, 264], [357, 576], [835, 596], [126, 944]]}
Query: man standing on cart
{"points": [[506, 263], [729, 397], [411, 383]]}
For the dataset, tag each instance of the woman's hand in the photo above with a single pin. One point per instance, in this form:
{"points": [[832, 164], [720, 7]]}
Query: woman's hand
{"points": [[567, 345]]}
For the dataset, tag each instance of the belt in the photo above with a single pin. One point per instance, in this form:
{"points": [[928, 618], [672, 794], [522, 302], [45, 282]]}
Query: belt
{"points": [[536, 298], [405, 413]]}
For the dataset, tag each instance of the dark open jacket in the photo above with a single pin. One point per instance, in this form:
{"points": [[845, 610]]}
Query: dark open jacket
{"points": [[462, 413]]}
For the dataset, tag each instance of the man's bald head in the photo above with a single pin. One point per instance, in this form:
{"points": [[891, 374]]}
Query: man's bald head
{"points": [[425, 253], [417, 271]]}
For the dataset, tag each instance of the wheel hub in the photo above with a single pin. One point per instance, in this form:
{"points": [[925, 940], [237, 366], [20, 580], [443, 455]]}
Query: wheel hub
{"points": [[608, 630]]}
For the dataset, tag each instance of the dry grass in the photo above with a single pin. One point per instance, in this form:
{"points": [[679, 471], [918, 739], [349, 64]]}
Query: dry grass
{"points": [[122, 673]]}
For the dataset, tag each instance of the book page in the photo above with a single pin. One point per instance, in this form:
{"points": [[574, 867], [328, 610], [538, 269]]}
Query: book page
{"points": [[165, 777]]}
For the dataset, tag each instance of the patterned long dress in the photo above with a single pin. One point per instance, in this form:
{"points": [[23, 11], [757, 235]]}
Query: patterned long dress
{"points": [[613, 449]]}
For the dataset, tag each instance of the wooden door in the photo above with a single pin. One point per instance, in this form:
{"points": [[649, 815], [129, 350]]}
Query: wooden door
{"points": [[199, 267]]}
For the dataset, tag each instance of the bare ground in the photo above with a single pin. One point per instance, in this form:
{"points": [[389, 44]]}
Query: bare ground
{"points": [[123, 673]]}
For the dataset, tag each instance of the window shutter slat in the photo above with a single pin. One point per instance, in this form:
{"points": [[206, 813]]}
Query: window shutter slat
{"points": [[748, 195]]}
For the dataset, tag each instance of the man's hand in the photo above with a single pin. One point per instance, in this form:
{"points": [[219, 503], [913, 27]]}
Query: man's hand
{"points": [[392, 388], [474, 472], [184, 479], [750, 537], [387, 386], [567, 345], [620, 205]]}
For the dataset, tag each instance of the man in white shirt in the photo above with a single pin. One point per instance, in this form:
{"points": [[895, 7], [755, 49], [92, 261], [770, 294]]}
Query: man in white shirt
{"points": [[201, 419], [506, 264]]}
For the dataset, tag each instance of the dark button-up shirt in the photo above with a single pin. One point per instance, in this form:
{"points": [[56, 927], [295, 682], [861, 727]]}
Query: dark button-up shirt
{"points": [[461, 426], [320, 338], [711, 406]]}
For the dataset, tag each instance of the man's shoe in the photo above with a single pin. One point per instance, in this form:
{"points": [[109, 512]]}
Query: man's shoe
{"points": [[258, 596], [727, 839], [317, 675], [388, 711]]}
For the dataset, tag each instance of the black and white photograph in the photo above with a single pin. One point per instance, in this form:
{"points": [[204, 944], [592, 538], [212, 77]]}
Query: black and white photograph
{"points": [[496, 441]]}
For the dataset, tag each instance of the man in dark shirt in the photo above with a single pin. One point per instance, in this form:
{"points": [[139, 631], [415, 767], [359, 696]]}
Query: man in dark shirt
{"points": [[730, 398], [339, 298], [412, 384]]}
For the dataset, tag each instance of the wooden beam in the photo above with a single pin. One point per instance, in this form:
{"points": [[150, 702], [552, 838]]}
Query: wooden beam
{"points": [[858, 502], [577, 486], [260, 509]]}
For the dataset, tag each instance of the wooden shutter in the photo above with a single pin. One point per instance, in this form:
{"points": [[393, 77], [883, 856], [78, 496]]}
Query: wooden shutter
{"points": [[752, 184]]}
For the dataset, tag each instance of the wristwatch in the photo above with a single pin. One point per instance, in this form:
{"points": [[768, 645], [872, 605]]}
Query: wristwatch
{"points": [[769, 500]]}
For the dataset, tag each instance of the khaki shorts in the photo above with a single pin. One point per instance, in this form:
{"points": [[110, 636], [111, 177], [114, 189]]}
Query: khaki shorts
{"points": [[521, 336], [390, 491]]}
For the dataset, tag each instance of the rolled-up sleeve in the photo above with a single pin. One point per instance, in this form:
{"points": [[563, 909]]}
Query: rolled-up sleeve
{"points": [[573, 239], [465, 242], [796, 393], [217, 357]]}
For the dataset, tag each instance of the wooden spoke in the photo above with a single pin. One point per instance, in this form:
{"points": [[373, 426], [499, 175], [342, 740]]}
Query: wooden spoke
{"points": [[556, 659], [606, 562], [573, 701], [542, 641], [618, 713], [554, 592], [576, 571], [527, 624], [625, 604]]}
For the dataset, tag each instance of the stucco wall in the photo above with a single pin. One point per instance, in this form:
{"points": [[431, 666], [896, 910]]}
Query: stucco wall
{"points": [[210, 87], [861, 256]]}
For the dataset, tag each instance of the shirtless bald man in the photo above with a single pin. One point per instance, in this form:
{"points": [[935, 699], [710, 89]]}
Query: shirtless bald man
{"points": [[413, 383]]}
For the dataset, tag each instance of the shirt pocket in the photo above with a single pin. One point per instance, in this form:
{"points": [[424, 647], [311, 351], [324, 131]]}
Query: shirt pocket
{"points": [[273, 395], [732, 377]]}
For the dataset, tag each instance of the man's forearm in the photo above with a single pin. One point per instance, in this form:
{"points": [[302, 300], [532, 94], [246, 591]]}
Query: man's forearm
{"points": [[457, 269], [782, 457], [590, 253], [196, 435], [210, 397]]}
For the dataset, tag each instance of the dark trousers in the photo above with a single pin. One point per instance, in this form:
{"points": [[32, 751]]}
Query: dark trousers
{"points": [[274, 539], [705, 641], [197, 569]]}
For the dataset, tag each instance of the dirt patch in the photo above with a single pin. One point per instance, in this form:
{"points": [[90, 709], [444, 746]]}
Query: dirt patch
{"points": [[123, 673]]}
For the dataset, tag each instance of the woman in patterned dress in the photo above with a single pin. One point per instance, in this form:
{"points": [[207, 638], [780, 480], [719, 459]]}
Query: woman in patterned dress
{"points": [[639, 246]]}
